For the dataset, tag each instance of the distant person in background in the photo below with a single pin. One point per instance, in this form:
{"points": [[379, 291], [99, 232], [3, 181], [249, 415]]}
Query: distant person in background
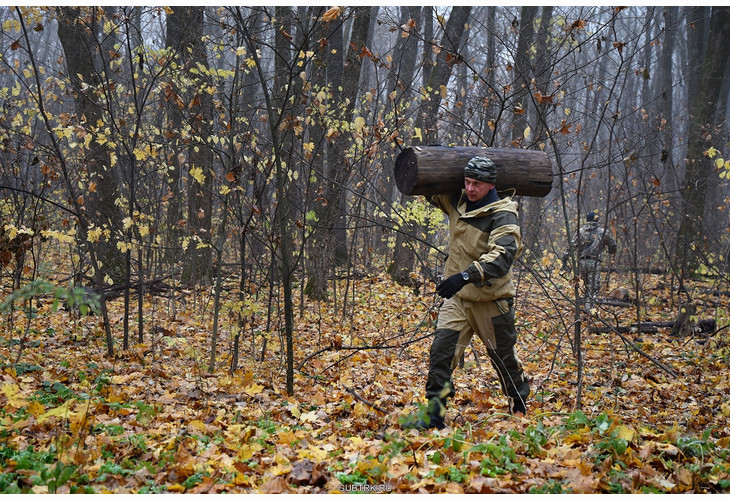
{"points": [[590, 243]]}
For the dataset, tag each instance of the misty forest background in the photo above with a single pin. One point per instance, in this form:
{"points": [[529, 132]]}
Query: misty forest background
{"points": [[186, 144], [237, 162]]}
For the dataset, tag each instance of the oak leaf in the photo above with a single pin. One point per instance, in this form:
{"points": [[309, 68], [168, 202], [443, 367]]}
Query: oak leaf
{"points": [[276, 486], [331, 14]]}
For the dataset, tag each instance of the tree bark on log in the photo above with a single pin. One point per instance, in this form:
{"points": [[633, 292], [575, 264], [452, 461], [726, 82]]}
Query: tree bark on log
{"points": [[427, 170]]}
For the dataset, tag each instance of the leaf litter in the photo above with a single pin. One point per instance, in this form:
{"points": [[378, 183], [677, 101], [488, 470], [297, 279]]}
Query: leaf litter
{"points": [[154, 420]]}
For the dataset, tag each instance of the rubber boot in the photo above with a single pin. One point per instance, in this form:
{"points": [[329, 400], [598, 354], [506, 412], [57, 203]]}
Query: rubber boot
{"points": [[434, 419], [517, 405]]}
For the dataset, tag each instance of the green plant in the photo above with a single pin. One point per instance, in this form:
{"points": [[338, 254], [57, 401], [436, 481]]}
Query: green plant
{"points": [[9, 483], [137, 441], [22, 368], [551, 487], [193, 480], [614, 482], [152, 488], [724, 484], [394, 445], [81, 298], [457, 474], [112, 468], [613, 444], [535, 438], [53, 393], [455, 441], [114, 430], [12, 460], [602, 423], [55, 477], [266, 424], [355, 477], [499, 458], [146, 413], [77, 296], [102, 381], [696, 447]]}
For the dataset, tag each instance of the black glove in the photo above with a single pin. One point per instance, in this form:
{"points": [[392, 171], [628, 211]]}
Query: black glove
{"points": [[450, 286]]}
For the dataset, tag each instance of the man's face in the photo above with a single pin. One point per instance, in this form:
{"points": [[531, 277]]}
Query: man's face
{"points": [[476, 190]]}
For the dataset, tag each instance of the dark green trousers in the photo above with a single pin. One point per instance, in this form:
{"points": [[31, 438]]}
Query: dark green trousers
{"points": [[502, 355]]}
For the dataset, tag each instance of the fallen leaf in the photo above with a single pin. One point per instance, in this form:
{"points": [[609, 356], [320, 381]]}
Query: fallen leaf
{"points": [[276, 486]]}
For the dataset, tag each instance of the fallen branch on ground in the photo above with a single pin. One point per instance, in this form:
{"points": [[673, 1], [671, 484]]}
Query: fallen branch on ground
{"points": [[702, 326]]}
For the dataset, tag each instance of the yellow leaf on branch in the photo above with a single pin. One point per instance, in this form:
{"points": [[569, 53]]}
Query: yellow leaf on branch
{"points": [[359, 124], [197, 174], [331, 14], [62, 237]]}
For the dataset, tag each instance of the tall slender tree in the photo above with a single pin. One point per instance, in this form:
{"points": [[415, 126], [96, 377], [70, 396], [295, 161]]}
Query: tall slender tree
{"points": [[344, 61], [438, 76], [523, 72], [185, 32], [708, 59], [400, 84], [77, 31]]}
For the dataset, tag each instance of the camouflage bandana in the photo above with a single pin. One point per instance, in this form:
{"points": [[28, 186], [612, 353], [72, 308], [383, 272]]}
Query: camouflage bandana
{"points": [[482, 169]]}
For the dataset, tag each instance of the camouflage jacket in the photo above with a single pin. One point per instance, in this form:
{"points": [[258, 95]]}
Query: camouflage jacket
{"points": [[591, 240], [484, 242]]}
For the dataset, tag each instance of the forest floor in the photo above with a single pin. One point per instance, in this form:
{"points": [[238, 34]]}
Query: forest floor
{"points": [[153, 419]]}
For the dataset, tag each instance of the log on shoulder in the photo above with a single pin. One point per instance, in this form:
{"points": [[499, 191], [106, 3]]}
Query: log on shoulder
{"points": [[427, 170]]}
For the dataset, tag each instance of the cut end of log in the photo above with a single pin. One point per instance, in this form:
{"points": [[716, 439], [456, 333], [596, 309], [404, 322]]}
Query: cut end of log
{"points": [[406, 171], [427, 170], [414, 179]]}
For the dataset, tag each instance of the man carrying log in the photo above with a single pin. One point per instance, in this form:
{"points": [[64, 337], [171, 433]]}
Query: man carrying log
{"points": [[484, 241]]}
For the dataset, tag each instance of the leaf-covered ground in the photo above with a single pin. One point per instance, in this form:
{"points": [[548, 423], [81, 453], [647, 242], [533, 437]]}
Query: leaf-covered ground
{"points": [[154, 420]]}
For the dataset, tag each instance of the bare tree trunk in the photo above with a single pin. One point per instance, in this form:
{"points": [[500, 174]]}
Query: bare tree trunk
{"points": [[523, 73], [665, 91], [278, 106], [532, 208], [344, 63], [487, 133], [400, 81], [198, 258], [704, 94], [434, 78], [282, 152], [218, 282], [439, 76], [76, 201], [85, 62], [178, 38], [184, 33]]}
